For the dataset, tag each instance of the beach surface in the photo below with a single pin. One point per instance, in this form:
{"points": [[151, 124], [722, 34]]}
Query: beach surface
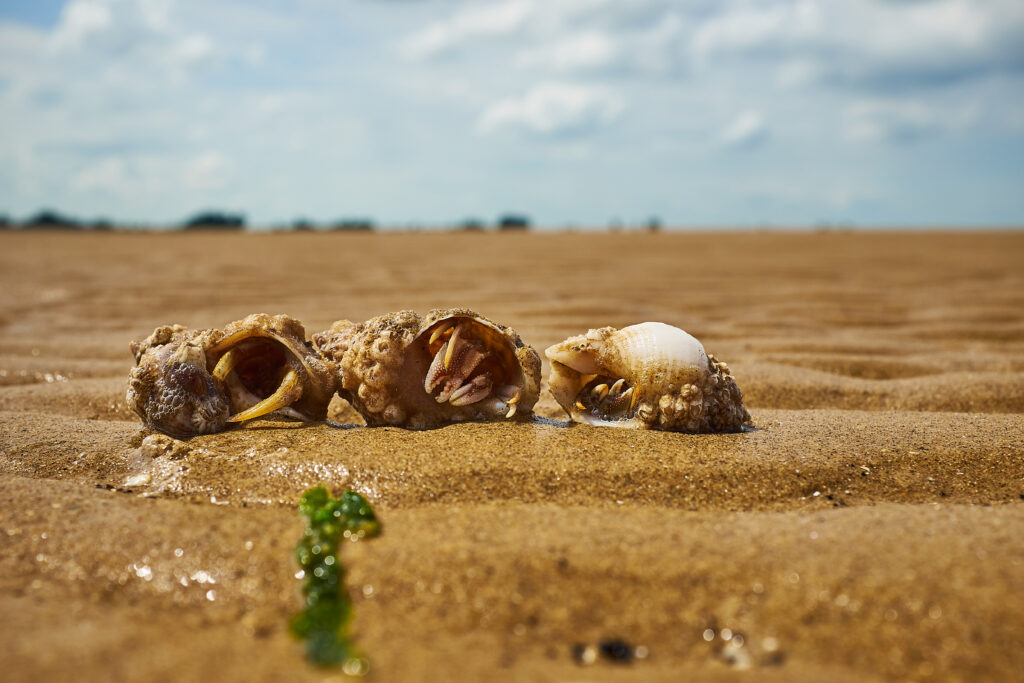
{"points": [[867, 528]]}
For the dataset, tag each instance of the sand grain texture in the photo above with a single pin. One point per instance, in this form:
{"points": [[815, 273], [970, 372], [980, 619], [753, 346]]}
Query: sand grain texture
{"points": [[868, 528]]}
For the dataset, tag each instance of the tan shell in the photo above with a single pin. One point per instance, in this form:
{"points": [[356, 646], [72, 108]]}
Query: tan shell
{"points": [[675, 385], [172, 389], [383, 363]]}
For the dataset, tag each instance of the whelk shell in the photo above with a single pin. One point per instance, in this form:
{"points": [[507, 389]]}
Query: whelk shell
{"points": [[451, 365], [645, 376], [188, 382]]}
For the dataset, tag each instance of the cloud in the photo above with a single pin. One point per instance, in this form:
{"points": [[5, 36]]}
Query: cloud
{"points": [[746, 131], [553, 108], [109, 175], [846, 43], [468, 23], [128, 178], [207, 171], [96, 35], [590, 50], [868, 45], [902, 121]]}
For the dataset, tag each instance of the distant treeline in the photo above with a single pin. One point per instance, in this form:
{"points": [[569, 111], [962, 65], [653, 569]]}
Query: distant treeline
{"points": [[48, 219], [223, 221]]}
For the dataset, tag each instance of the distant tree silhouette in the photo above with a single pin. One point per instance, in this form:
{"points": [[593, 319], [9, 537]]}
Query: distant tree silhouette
{"points": [[302, 225], [353, 225], [215, 220], [653, 224], [472, 225], [5, 222], [101, 225], [513, 222], [48, 219]]}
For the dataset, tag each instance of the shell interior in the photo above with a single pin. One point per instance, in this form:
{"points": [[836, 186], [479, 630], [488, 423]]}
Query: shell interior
{"points": [[467, 361], [264, 359]]}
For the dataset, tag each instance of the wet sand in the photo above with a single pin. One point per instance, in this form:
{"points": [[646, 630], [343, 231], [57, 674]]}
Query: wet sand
{"points": [[868, 528]]}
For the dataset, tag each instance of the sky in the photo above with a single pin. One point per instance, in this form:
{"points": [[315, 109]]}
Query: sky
{"points": [[583, 113]]}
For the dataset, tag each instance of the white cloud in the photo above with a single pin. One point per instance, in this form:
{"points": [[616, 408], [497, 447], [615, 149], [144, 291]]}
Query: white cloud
{"points": [[902, 121], [79, 20], [552, 108], [109, 175], [102, 37], [18, 45], [745, 131], [207, 171], [870, 45], [588, 50], [470, 22], [127, 178]]}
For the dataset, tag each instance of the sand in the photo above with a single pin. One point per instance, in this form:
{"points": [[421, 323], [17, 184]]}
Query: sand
{"points": [[867, 528]]}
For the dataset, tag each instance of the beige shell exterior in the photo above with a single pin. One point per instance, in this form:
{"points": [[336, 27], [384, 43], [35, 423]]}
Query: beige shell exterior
{"points": [[382, 369], [678, 386]]}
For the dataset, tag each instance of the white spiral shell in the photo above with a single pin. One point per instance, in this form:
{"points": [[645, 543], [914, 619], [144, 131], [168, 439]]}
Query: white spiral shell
{"points": [[675, 385]]}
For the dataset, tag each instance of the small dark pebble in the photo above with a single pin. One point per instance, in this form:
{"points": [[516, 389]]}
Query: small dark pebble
{"points": [[616, 650]]}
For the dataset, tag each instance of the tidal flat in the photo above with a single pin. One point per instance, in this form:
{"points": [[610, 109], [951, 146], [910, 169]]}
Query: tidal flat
{"points": [[867, 528]]}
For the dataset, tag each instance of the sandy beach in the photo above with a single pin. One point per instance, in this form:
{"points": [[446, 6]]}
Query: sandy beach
{"points": [[867, 528]]}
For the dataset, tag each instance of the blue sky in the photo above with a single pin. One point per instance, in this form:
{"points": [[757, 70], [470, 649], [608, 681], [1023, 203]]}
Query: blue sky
{"points": [[576, 112]]}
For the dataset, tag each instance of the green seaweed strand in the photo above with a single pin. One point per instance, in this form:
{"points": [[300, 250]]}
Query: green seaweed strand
{"points": [[324, 622]]}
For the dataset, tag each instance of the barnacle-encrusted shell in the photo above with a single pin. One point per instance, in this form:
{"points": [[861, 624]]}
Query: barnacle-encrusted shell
{"points": [[170, 387], [384, 361], [173, 386], [671, 383]]}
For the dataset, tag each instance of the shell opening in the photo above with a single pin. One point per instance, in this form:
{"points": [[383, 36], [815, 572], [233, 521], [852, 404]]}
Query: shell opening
{"points": [[470, 363], [260, 375], [607, 398]]}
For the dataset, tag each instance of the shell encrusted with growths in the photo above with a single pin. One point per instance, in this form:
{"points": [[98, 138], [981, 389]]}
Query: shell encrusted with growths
{"points": [[187, 382], [451, 365], [646, 376]]}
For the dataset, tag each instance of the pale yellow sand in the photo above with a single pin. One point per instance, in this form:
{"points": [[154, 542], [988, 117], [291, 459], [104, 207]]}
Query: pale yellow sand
{"points": [[868, 529]]}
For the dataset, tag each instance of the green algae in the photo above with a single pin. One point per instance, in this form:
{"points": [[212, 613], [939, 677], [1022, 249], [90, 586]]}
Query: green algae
{"points": [[324, 622]]}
